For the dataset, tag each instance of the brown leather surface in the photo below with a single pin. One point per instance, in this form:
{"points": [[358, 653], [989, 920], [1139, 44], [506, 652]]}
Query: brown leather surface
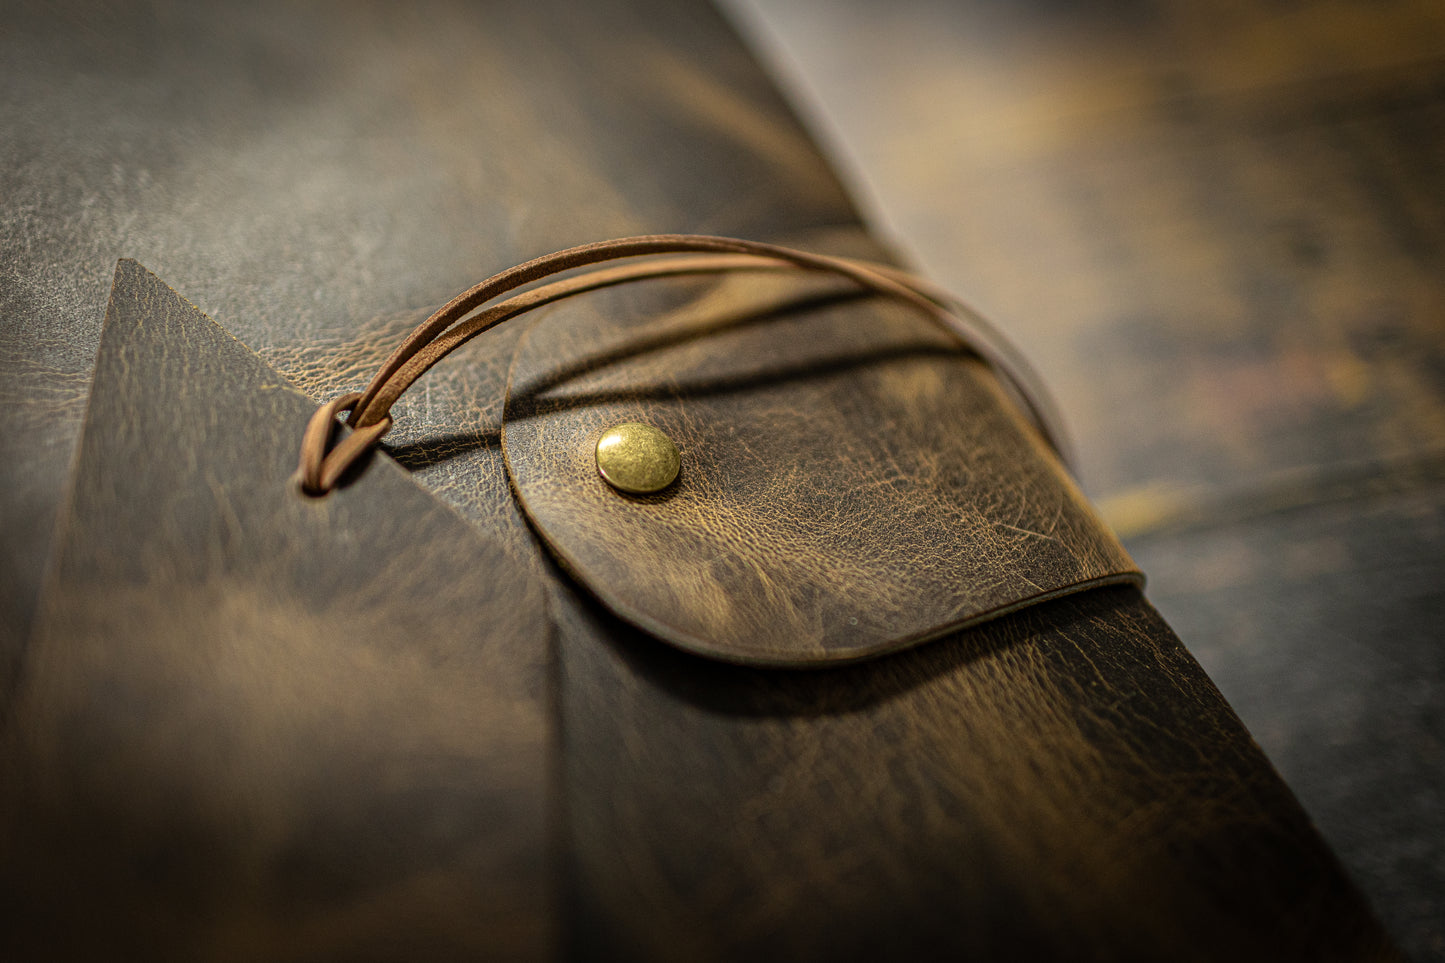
{"points": [[1219, 229], [305, 172], [1060, 784], [852, 482], [309, 174], [254, 725]]}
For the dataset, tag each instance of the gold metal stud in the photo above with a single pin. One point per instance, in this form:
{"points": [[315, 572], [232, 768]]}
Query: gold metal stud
{"points": [[637, 458]]}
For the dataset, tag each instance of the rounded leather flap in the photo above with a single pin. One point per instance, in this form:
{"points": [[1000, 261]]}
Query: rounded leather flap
{"points": [[852, 481]]}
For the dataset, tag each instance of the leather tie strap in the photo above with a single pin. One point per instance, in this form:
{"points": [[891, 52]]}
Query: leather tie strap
{"points": [[318, 475], [454, 324]]}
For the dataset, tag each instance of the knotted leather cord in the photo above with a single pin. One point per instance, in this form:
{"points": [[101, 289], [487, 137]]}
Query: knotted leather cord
{"points": [[450, 327]]}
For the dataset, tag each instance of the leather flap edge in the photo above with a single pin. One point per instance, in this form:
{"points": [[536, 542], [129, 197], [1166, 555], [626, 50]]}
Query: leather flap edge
{"points": [[852, 482]]}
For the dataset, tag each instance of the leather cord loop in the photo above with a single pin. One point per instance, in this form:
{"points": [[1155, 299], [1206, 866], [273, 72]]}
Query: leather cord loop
{"points": [[319, 468], [454, 324]]}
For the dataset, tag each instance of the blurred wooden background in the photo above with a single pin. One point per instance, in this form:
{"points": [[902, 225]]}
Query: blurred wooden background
{"points": [[1219, 230]]}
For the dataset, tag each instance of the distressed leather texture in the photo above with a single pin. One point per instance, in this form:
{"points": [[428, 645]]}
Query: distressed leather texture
{"points": [[1061, 782], [853, 482], [254, 725], [307, 172], [259, 725]]}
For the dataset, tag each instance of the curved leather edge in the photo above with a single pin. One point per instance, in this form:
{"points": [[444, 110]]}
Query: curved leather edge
{"points": [[708, 649], [853, 483]]}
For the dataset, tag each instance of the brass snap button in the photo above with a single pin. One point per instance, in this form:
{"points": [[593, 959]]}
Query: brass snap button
{"points": [[637, 458]]}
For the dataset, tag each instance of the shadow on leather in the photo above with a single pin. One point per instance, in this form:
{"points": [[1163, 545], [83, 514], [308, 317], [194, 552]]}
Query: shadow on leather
{"points": [[746, 691]]}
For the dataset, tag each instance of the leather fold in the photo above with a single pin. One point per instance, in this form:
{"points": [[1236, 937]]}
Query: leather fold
{"points": [[853, 481]]}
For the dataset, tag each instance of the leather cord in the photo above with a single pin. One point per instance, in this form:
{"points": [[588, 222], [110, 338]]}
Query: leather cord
{"points": [[454, 324], [320, 469]]}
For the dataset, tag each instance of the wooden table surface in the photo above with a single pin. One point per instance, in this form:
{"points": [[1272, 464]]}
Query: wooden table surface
{"points": [[1219, 230], [1218, 236]]}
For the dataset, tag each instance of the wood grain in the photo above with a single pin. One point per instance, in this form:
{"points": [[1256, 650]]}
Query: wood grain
{"points": [[1065, 782], [1219, 229]]}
